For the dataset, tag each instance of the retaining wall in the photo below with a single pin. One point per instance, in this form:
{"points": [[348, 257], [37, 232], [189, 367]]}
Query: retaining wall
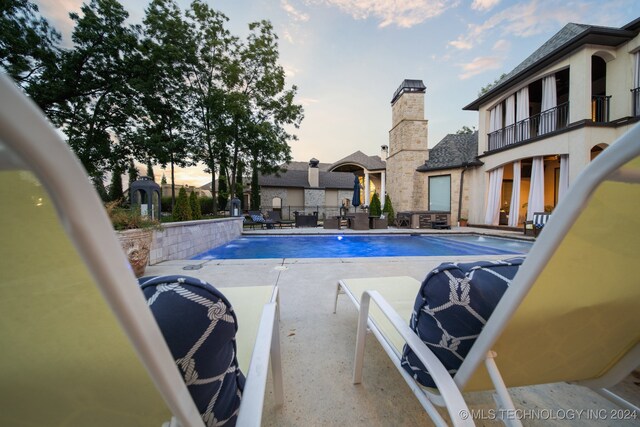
{"points": [[182, 240]]}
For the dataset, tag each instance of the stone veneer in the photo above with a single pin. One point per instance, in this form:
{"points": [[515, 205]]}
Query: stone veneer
{"points": [[182, 240], [408, 149]]}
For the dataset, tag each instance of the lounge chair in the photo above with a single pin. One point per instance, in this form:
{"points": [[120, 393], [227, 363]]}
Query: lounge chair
{"points": [[258, 218], [535, 225], [570, 313], [79, 344], [275, 215]]}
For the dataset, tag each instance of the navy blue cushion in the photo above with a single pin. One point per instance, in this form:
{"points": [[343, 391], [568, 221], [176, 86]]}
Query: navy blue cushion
{"points": [[452, 307], [199, 326], [257, 218]]}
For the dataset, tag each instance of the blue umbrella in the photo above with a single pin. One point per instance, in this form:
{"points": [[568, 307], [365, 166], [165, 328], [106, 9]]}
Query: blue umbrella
{"points": [[356, 193]]}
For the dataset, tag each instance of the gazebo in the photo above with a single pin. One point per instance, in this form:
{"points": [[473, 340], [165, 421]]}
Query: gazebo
{"points": [[145, 194]]}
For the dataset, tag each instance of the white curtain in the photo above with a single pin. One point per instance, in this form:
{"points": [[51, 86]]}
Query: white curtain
{"points": [[492, 216], [522, 115], [495, 123], [514, 207], [536, 190], [563, 180], [549, 101], [510, 119]]}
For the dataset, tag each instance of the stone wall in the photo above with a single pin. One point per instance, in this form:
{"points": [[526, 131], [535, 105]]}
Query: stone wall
{"points": [[182, 240]]}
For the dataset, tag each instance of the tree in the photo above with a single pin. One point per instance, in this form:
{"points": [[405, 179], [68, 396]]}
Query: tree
{"points": [[150, 173], [115, 190], [196, 212], [375, 208], [490, 86], [261, 108], [223, 191], [210, 68], [133, 172], [163, 91], [466, 130], [88, 92], [182, 209], [388, 209], [28, 44]]}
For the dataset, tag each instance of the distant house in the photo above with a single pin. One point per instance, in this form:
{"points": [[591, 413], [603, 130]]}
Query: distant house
{"points": [[542, 124], [321, 187]]}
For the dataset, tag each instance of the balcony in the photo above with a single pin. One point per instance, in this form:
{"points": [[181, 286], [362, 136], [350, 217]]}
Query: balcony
{"points": [[600, 108], [539, 124]]}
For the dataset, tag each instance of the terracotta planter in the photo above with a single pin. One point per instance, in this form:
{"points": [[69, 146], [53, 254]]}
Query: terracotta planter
{"points": [[137, 246], [463, 223]]}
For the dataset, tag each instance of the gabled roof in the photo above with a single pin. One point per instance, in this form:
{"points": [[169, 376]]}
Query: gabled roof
{"points": [[570, 38], [371, 163], [300, 179], [453, 151]]}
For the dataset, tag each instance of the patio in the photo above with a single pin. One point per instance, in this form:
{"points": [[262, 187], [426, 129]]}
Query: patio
{"points": [[317, 347]]}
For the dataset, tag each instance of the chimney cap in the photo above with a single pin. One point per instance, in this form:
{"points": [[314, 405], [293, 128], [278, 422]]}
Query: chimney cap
{"points": [[410, 86], [314, 162]]}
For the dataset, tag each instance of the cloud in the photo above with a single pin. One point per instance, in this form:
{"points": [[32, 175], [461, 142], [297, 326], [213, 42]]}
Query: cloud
{"points": [[403, 14], [502, 45], [290, 71], [484, 4], [57, 13], [522, 20], [480, 65], [293, 12]]}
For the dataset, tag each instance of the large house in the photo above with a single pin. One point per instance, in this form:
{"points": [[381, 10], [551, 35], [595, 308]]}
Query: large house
{"points": [[547, 119]]}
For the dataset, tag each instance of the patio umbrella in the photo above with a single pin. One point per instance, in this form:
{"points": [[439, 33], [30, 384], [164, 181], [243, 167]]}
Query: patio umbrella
{"points": [[356, 193]]}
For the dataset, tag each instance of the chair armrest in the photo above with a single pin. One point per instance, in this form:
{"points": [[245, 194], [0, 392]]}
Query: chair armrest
{"points": [[446, 386], [250, 413]]}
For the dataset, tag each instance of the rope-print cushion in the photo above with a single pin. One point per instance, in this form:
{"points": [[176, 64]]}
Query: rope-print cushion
{"points": [[257, 218], [199, 326], [452, 306]]}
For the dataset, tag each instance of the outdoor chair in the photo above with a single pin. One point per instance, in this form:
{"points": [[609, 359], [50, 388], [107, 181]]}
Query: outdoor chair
{"points": [[275, 216], [360, 221], [258, 218], [79, 343], [403, 220], [568, 313], [535, 225], [249, 222]]}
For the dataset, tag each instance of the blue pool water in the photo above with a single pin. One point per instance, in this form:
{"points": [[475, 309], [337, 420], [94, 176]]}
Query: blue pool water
{"points": [[351, 246]]}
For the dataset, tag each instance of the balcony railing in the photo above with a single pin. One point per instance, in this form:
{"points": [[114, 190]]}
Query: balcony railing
{"points": [[600, 108], [536, 125], [635, 101]]}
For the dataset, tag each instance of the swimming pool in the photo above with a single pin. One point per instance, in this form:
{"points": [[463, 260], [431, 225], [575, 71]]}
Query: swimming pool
{"points": [[352, 246]]}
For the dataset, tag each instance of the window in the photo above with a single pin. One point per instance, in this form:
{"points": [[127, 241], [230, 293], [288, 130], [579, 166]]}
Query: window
{"points": [[440, 193]]}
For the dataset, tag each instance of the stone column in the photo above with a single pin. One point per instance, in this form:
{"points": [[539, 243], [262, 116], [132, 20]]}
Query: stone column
{"points": [[367, 189], [383, 189]]}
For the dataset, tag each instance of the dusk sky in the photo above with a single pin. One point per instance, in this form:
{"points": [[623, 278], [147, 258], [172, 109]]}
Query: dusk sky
{"points": [[347, 57]]}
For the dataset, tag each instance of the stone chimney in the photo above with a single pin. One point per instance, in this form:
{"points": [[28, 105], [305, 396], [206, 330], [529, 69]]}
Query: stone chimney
{"points": [[384, 152], [314, 173]]}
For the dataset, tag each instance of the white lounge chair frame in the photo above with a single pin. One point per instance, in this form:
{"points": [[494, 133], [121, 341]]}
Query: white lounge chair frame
{"points": [[36, 146], [607, 167]]}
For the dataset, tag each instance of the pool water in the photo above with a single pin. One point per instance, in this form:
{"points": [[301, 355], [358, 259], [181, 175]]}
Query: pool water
{"points": [[351, 246]]}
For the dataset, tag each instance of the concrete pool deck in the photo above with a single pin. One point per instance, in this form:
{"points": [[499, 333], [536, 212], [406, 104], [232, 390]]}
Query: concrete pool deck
{"points": [[317, 346]]}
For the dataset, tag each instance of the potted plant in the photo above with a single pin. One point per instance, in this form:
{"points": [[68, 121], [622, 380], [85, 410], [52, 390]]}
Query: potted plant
{"points": [[135, 233], [462, 221]]}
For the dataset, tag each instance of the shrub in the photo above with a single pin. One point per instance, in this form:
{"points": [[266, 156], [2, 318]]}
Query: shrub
{"points": [[388, 209], [166, 204], [196, 213], [374, 207], [182, 210], [206, 205], [128, 219]]}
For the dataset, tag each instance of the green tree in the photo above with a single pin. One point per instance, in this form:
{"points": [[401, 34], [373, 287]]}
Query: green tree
{"points": [[466, 130], [375, 209], [115, 189], [28, 44], [88, 93], [490, 86], [150, 173], [210, 68], [182, 209], [388, 209], [223, 191], [262, 109], [163, 91], [133, 172], [196, 212]]}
